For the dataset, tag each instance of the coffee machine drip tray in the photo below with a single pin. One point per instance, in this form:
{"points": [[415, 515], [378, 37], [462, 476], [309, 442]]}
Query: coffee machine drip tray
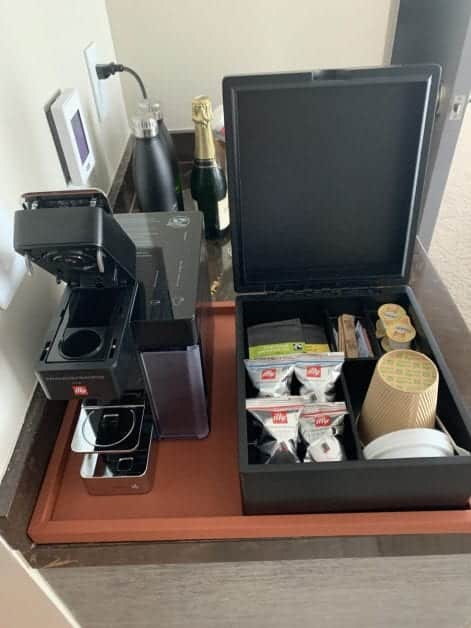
{"points": [[121, 474], [108, 429]]}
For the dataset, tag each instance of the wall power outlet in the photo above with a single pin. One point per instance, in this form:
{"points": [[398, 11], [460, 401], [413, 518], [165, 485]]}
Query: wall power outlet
{"points": [[98, 88]]}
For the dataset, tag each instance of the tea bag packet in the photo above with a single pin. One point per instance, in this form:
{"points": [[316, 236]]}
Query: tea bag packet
{"points": [[363, 342], [347, 337], [317, 373], [271, 377], [275, 339], [320, 425], [352, 337], [280, 420], [315, 340]]}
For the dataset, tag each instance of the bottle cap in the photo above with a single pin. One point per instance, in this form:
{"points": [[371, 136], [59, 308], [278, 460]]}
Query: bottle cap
{"points": [[201, 110], [150, 105], [145, 126]]}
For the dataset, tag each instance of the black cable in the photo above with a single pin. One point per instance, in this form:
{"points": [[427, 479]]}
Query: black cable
{"points": [[138, 79], [105, 70]]}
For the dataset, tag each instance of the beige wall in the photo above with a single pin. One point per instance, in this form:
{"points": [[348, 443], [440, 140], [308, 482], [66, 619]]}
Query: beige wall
{"points": [[451, 245], [183, 48], [41, 50], [23, 603]]}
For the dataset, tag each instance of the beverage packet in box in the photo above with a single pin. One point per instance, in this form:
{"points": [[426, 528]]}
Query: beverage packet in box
{"points": [[320, 426], [279, 418], [276, 339], [271, 377], [317, 373]]}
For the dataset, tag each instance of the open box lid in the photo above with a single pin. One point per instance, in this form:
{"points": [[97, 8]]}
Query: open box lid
{"points": [[326, 172]]}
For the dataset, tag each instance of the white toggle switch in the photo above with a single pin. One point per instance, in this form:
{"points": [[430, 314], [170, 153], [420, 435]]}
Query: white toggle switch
{"points": [[458, 105], [98, 88]]}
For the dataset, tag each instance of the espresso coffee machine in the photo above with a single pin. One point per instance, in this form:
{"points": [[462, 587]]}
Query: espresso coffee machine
{"points": [[128, 336]]}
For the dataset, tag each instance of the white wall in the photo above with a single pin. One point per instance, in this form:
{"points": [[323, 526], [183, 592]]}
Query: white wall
{"points": [[23, 603], [41, 50], [183, 48]]}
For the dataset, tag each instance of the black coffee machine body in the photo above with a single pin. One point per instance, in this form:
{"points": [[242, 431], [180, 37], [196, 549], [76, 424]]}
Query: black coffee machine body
{"points": [[132, 332], [88, 351]]}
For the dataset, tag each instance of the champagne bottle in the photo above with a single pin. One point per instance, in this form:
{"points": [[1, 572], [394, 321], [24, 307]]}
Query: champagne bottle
{"points": [[208, 181]]}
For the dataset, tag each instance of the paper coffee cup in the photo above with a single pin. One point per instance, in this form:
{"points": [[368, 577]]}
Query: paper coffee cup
{"points": [[402, 394]]}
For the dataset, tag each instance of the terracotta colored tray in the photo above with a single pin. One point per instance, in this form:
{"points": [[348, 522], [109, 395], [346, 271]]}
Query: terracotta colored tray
{"points": [[196, 493]]}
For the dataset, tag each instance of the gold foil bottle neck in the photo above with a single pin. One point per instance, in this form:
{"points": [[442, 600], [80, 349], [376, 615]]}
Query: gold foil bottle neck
{"points": [[201, 110], [202, 114]]}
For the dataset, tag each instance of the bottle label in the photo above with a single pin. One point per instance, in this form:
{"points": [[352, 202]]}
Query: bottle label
{"points": [[223, 211]]}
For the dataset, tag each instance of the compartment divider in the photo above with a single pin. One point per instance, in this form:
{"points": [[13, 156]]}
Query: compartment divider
{"points": [[352, 418], [370, 326], [329, 329]]}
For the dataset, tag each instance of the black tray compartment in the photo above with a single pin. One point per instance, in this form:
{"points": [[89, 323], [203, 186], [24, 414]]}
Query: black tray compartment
{"points": [[356, 484]]}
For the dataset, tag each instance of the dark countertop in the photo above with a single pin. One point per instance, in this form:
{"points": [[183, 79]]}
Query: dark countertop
{"points": [[22, 481], [20, 486]]}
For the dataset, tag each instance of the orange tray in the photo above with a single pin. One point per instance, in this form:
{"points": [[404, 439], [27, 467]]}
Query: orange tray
{"points": [[196, 492]]}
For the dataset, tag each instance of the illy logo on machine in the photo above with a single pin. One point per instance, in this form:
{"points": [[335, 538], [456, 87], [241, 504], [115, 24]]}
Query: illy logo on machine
{"points": [[80, 390]]}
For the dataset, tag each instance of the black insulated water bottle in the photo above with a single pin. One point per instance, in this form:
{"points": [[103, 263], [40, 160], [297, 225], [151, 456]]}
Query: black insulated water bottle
{"points": [[152, 106], [152, 168]]}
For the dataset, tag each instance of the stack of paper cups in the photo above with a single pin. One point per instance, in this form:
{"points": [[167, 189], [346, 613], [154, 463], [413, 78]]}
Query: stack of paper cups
{"points": [[402, 394]]}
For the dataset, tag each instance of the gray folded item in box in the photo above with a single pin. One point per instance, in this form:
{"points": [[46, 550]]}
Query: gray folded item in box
{"points": [[275, 339]]}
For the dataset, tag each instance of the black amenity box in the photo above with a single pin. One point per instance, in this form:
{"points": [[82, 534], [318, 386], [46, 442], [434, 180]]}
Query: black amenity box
{"points": [[326, 173]]}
